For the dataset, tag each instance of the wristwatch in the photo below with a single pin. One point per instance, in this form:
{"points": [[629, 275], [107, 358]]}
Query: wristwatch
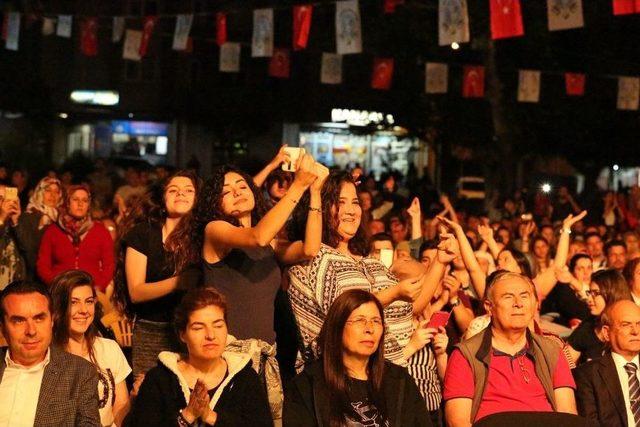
{"points": [[455, 303]]}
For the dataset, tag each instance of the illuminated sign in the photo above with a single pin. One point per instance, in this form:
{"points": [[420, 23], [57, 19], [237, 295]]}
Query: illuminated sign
{"points": [[95, 97], [360, 117]]}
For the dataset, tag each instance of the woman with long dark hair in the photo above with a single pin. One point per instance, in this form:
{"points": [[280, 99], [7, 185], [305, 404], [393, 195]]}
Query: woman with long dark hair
{"points": [[75, 307], [237, 237], [352, 384], [154, 256]]}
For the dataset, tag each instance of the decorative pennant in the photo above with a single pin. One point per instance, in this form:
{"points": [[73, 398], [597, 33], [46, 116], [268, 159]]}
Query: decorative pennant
{"points": [[118, 29], [280, 64], [348, 27], [390, 5], [382, 74], [48, 26], [147, 30], [89, 37], [453, 22], [528, 86], [506, 19], [624, 7], [473, 81], [65, 25], [331, 69], [230, 58], [628, 93], [262, 40], [301, 25], [221, 28], [13, 31], [181, 32], [436, 77], [574, 83], [564, 14], [132, 42]]}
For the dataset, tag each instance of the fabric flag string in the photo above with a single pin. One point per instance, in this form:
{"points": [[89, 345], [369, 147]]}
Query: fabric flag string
{"points": [[181, 33], [473, 81], [574, 83], [302, 15], [453, 22], [628, 93], [65, 24], [221, 28], [506, 19], [564, 14], [89, 37], [382, 74], [147, 30], [118, 29], [230, 58], [262, 40], [131, 46], [528, 86], [436, 77], [348, 27], [280, 64], [625, 7], [331, 69], [13, 31]]}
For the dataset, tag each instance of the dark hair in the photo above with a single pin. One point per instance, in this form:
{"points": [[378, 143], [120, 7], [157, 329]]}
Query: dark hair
{"points": [[428, 244], [612, 285], [573, 262], [380, 237], [193, 300], [521, 260], [330, 198], [150, 209], [279, 176], [613, 243], [21, 287], [629, 271], [592, 234], [61, 288], [331, 347]]}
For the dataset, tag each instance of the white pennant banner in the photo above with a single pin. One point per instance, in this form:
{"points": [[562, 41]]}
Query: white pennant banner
{"points": [[528, 86], [628, 93], [118, 29], [331, 69], [453, 22], [348, 27], [131, 47], [436, 77], [262, 40], [13, 31], [181, 33], [230, 58], [564, 14], [65, 24]]}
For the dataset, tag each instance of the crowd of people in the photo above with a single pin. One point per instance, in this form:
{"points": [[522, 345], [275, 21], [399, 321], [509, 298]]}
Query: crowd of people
{"points": [[313, 298]]}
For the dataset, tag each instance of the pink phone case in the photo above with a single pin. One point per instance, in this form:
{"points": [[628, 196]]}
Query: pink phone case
{"points": [[438, 319]]}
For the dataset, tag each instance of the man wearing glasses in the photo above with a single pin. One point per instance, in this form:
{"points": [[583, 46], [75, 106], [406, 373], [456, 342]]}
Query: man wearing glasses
{"points": [[507, 368]]}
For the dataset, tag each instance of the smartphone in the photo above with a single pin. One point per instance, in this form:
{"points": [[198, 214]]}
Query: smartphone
{"points": [[10, 193], [386, 257], [438, 319], [526, 217], [294, 154]]}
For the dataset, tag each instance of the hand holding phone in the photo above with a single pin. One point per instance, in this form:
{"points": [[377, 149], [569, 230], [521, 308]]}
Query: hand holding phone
{"points": [[10, 193], [293, 154], [439, 319]]}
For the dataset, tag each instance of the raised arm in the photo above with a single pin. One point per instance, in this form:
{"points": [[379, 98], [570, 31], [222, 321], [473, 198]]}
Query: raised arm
{"points": [[486, 234], [415, 214], [444, 199], [275, 163]]}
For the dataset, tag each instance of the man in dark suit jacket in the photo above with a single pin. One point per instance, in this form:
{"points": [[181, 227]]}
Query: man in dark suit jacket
{"points": [[605, 387], [41, 385]]}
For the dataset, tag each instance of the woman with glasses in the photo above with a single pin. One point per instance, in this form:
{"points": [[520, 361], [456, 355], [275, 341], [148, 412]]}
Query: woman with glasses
{"points": [[74, 312], [75, 241], [352, 384], [587, 341]]}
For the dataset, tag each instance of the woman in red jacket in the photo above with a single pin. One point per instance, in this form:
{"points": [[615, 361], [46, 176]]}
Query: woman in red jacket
{"points": [[76, 242]]}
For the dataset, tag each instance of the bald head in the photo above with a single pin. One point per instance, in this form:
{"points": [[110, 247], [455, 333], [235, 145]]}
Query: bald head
{"points": [[621, 328]]}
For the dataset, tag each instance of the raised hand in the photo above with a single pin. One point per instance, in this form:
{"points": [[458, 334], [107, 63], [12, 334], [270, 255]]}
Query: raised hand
{"points": [[414, 209], [421, 336], [528, 229], [198, 401], [570, 220], [322, 172], [306, 170], [485, 232], [440, 341], [448, 224], [409, 289], [452, 284]]}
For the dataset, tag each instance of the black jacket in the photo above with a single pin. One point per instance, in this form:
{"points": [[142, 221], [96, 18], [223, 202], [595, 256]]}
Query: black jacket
{"points": [[242, 403], [306, 399], [599, 393]]}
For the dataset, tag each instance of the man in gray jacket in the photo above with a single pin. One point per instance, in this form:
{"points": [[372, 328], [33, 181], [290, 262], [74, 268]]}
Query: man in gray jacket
{"points": [[40, 385]]}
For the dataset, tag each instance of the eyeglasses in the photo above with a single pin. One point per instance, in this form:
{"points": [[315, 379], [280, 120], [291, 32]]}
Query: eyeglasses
{"points": [[593, 293], [363, 322]]}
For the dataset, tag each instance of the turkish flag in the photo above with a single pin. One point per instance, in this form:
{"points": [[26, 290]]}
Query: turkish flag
{"points": [[506, 19], [221, 28], [280, 65], [382, 73], [473, 81], [301, 25], [390, 5], [89, 37], [147, 30], [625, 7], [574, 83]]}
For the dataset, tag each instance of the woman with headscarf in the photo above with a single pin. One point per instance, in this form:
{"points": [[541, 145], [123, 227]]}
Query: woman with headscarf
{"points": [[75, 241], [41, 211]]}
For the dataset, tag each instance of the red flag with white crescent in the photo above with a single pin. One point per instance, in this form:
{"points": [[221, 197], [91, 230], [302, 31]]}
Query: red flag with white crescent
{"points": [[221, 28], [473, 81], [574, 83], [280, 64], [506, 19], [382, 73], [301, 25], [89, 37], [147, 30]]}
